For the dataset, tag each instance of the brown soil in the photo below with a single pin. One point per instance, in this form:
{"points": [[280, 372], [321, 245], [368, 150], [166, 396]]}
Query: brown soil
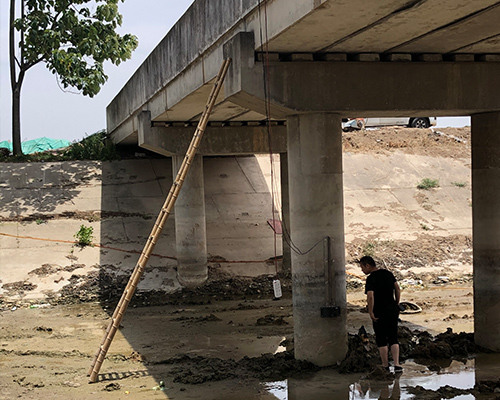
{"points": [[442, 142]]}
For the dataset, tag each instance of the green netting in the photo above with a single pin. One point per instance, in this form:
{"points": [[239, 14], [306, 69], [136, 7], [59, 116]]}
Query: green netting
{"points": [[38, 145]]}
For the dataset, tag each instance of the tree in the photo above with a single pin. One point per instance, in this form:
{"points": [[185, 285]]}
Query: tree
{"points": [[73, 37]]}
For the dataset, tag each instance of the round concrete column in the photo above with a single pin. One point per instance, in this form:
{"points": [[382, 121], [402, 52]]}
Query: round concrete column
{"points": [[486, 228], [190, 225], [316, 212]]}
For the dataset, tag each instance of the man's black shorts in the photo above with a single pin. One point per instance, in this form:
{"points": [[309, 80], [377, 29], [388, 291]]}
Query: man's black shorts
{"points": [[386, 330]]}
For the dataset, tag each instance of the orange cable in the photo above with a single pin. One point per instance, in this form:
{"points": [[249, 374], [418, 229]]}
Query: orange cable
{"points": [[117, 249], [138, 252], [75, 242]]}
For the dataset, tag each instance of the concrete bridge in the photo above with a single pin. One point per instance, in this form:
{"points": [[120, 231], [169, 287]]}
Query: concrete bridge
{"points": [[305, 64]]}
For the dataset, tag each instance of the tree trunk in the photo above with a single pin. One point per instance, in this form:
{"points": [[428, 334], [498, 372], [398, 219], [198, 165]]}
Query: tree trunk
{"points": [[16, 121], [15, 83]]}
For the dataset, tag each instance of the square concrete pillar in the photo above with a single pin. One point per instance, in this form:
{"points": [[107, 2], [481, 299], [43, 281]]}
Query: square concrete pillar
{"points": [[317, 231], [486, 228], [285, 212]]}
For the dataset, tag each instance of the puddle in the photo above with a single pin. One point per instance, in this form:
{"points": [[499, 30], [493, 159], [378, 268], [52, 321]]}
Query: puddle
{"points": [[457, 375], [279, 389], [328, 384]]}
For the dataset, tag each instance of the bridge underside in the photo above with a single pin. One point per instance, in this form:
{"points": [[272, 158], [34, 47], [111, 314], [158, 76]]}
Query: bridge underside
{"points": [[404, 58]]}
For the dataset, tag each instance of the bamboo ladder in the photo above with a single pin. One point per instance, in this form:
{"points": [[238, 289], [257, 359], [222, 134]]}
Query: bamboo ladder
{"points": [[157, 228]]}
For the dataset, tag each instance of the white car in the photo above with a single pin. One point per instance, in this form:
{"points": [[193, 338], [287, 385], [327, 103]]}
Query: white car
{"points": [[412, 122]]}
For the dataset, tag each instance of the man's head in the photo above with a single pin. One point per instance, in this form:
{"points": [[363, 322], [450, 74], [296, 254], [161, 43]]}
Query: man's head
{"points": [[367, 264]]}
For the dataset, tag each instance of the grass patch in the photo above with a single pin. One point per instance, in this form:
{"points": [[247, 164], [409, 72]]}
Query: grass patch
{"points": [[459, 184], [427, 183], [93, 147]]}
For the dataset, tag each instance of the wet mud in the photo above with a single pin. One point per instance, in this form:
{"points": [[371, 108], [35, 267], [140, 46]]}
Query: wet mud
{"points": [[195, 348], [268, 367], [417, 345], [489, 388], [107, 287]]}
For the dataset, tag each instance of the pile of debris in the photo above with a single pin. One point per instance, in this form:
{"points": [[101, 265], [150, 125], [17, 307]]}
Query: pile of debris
{"points": [[268, 367], [107, 287], [420, 346]]}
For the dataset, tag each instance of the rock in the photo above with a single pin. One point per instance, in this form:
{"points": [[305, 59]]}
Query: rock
{"points": [[111, 387]]}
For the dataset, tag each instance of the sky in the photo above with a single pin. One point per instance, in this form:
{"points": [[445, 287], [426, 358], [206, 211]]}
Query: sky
{"points": [[46, 110]]}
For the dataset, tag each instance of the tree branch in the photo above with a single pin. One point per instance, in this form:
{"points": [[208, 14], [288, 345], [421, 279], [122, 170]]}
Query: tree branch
{"points": [[17, 61], [33, 63], [21, 46]]}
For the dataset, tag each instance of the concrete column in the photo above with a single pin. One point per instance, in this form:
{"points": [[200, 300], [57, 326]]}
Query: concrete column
{"points": [[190, 226], [486, 228], [316, 212], [285, 212]]}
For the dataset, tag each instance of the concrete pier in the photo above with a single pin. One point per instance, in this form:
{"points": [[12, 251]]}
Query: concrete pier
{"points": [[316, 212], [486, 228], [190, 225]]}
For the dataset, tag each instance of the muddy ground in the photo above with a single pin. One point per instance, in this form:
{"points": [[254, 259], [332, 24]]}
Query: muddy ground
{"points": [[224, 345]]}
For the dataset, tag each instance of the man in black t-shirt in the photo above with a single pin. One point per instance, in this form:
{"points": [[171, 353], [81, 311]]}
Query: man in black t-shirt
{"points": [[383, 294]]}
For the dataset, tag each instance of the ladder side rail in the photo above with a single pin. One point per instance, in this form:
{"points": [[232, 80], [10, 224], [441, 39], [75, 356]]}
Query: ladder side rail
{"points": [[157, 228]]}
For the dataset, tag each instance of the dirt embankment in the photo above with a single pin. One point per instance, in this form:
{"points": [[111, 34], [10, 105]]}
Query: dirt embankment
{"points": [[435, 142]]}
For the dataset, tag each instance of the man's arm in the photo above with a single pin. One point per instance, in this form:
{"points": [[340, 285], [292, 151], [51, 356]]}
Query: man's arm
{"points": [[397, 292], [371, 301]]}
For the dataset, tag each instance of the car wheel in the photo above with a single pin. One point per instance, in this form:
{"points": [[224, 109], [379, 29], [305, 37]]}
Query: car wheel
{"points": [[420, 123]]}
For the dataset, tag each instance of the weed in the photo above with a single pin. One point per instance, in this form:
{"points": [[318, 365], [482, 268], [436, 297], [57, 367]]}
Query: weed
{"points": [[40, 221], [389, 243], [459, 184], [425, 227], [94, 147], [428, 183], [84, 236], [369, 249], [94, 217], [53, 155]]}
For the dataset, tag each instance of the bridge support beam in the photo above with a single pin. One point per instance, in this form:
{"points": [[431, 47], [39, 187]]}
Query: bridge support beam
{"points": [[486, 228], [349, 88], [190, 225], [217, 140], [316, 214]]}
